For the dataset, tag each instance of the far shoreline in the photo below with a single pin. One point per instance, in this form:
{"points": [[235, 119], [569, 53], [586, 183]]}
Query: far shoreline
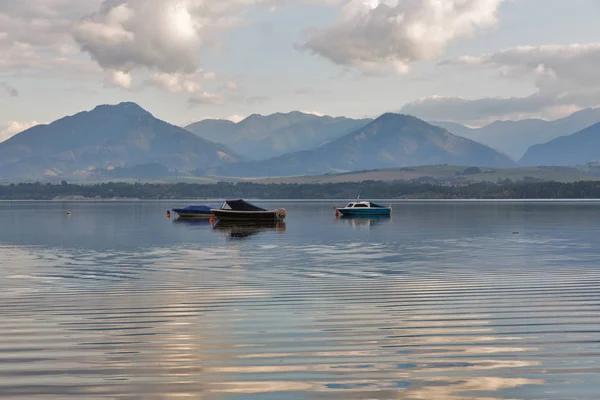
{"points": [[372, 190]]}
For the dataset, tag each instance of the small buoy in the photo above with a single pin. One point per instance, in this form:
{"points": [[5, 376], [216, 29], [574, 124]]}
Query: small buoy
{"points": [[337, 213], [211, 220]]}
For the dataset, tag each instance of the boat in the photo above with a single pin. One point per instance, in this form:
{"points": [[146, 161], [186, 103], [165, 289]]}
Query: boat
{"points": [[195, 211], [241, 210], [363, 208]]}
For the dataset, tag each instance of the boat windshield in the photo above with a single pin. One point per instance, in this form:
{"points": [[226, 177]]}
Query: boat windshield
{"points": [[241, 205]]}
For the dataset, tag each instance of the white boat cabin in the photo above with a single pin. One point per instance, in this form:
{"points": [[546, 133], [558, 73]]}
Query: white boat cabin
{"points": [[359, 204]]}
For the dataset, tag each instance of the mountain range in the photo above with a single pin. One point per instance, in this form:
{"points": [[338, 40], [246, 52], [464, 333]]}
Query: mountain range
{"points": [[578, 148], [107, 137], [260, 137], [515, 137], [390, 140], [125, 141]]}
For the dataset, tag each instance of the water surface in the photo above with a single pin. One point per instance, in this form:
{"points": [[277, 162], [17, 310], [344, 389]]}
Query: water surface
{"points": [[445, 300]]}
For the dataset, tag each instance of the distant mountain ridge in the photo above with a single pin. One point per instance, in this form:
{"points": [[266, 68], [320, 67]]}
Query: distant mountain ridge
{"points": [[392, 140], [106, 137], [576, 149], [260, 137], [124, 141], [515, 137]]}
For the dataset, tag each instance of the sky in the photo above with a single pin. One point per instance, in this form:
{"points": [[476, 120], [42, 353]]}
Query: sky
{"points": [[468, 61]]}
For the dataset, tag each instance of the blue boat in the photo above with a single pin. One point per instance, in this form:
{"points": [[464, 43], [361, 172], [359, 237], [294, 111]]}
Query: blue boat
{"points": [[363, 208], [195, 211]]}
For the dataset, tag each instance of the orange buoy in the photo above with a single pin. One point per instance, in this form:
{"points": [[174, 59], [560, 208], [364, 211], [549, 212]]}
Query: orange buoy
{"points": [[211, 220]]}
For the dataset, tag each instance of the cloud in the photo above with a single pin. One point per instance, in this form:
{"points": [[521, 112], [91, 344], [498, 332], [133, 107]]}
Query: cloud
{"points": [[159, 35], [119, 78], [11, 91], [316, 113], [207, 98], [177, 83], [236, 118], [15, 127], [564, 77], [35, 37], [378, 34], [163, 39]]}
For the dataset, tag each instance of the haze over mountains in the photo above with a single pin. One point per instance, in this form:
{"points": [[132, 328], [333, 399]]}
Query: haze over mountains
{"points": [[515, 137], [260, 137], [125, 141]]}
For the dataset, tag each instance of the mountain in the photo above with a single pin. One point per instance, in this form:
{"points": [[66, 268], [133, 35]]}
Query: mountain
{"points": [[392, 140], [576, 149], [107, 137], [515, 137], [260, 137]]}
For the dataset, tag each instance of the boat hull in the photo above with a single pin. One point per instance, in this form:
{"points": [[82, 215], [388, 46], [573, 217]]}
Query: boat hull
{"points": [[195, 211], [364, 211], [247, 216], [183, 214]]}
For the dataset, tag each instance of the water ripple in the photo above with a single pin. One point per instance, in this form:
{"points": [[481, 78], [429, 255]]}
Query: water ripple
{"points": [[488, 317]]}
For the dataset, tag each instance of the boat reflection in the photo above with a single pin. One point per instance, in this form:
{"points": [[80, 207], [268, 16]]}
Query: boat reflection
{"points": [[244, 230], [362, 222], [193, 222]]}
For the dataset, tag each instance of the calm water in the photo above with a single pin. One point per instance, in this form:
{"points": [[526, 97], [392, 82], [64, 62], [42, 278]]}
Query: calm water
{"points": [[442, 301]]}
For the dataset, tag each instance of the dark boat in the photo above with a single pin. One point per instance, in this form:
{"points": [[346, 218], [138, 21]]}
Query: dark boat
{"points": [[241, 210], [195, 211]]}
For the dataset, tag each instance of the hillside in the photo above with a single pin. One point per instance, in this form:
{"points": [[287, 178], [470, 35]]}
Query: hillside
{"points": [[107, 137], [579, 148], [515, 137], [392, 140], [260, 137], [451, 174]]}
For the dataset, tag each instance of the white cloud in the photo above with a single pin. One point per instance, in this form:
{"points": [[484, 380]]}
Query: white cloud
{"points": [[35, 37], [159, 35], [177, 83], [316, 113], [15, 127], [207, 98], [378, 34], [119, 78], [236, 118], [161, 38], [565, 77]]}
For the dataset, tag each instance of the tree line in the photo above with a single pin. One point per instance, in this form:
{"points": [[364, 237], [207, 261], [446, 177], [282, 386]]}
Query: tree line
{"points": [[349, 190]]}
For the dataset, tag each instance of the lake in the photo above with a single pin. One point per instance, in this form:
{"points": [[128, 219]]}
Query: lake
{"points": [[444, 300]]}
